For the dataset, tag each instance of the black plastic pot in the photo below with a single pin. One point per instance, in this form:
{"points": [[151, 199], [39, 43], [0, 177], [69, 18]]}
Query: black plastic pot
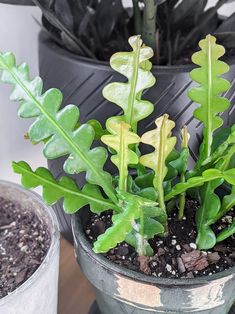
{"points": [[82, 80], [119, 290], [17, 2]]}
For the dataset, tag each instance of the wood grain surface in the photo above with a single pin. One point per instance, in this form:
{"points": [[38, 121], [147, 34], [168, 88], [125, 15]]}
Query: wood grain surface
{"points": [[75, 292]]}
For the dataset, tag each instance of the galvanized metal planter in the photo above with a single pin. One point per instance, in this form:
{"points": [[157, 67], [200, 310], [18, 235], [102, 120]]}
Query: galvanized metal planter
{"points": [[119, 290]]}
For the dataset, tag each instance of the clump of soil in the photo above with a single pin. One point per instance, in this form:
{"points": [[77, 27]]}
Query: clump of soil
{"points": [[24, 242], [175, 256]]}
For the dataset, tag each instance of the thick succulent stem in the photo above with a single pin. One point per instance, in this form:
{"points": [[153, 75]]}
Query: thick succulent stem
{"points": [[181, 200], [141, 248], [184, 145], [137, 17], [149, 24]]}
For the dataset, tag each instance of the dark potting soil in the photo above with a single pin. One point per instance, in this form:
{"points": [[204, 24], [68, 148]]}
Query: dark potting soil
{"points": [[176, 255], [24, 242]]}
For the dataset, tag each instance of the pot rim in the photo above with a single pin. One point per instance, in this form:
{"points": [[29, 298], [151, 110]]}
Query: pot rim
{"points": [[104, 65], [80, 238], [54, 245], [18, 2]]}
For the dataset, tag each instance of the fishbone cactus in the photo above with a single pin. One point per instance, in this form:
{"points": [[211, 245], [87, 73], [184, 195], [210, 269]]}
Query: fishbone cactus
{"points": [[138, 199]]}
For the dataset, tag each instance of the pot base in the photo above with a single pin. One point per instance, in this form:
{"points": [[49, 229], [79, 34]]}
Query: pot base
{"points": [[95, 310], [232, 310]]}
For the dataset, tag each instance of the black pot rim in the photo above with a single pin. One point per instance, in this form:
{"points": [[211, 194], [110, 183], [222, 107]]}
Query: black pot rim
{"points": [[65, 54], [80, 237], [18, 2]]}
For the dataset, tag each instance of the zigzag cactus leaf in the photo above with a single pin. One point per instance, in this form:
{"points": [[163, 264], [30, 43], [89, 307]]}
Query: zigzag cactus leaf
{"points": [[152, 227], [207, 175], [226, 233], [207, 94], [120, 139], [130, 223], [228, 202], [122, 225], [149, 193], [132, 239], [65, 188], [226, 161], [160, 138], [220, 150], [57, 125], [135, 66], [209, 208], [99, 131]]}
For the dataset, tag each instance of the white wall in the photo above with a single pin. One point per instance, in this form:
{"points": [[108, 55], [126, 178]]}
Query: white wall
{"points": [[19, 34]]}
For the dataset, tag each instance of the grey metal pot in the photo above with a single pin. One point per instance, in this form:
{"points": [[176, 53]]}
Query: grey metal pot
{"points": [[38, 294], [119, 290], [82, 80]]}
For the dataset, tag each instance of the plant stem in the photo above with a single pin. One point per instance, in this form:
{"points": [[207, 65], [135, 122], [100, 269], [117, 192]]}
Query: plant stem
{"points": [[157, 47], [141, 250], [185, 139], [160, 191], [132, 95], [169, 43], [149, 24], [123, 172], [181, 199], [137, 17]]}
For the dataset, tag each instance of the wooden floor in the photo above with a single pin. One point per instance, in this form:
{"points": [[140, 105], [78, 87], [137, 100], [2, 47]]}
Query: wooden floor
{"points": [[75, 292]]}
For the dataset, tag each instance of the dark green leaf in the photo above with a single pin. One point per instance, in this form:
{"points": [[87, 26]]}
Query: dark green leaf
{"points": [[133, 241], [209, 208], [180, 164], [152, 228], [145, 180], [226, 233], [207, 175], [99, 131]]}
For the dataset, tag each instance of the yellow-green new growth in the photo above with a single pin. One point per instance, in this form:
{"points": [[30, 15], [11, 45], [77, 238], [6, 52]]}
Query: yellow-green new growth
{"points": [[211, 85], [161, 139], [135, 66], [119, 140]]}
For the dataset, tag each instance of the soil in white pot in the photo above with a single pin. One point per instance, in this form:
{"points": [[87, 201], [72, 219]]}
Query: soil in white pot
{"points": [[24, 242], [175, 256]]}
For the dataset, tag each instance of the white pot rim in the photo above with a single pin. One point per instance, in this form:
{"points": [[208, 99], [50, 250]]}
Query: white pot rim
{"points": [[54, 245]]}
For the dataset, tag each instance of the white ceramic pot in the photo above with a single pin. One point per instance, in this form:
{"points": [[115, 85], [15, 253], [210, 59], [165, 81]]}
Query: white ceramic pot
{"points": [[39, 294]]}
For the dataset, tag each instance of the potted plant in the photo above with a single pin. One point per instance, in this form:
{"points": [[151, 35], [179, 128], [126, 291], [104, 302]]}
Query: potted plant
{"points": [[74, 50], [29, 253], [166, 234]]}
